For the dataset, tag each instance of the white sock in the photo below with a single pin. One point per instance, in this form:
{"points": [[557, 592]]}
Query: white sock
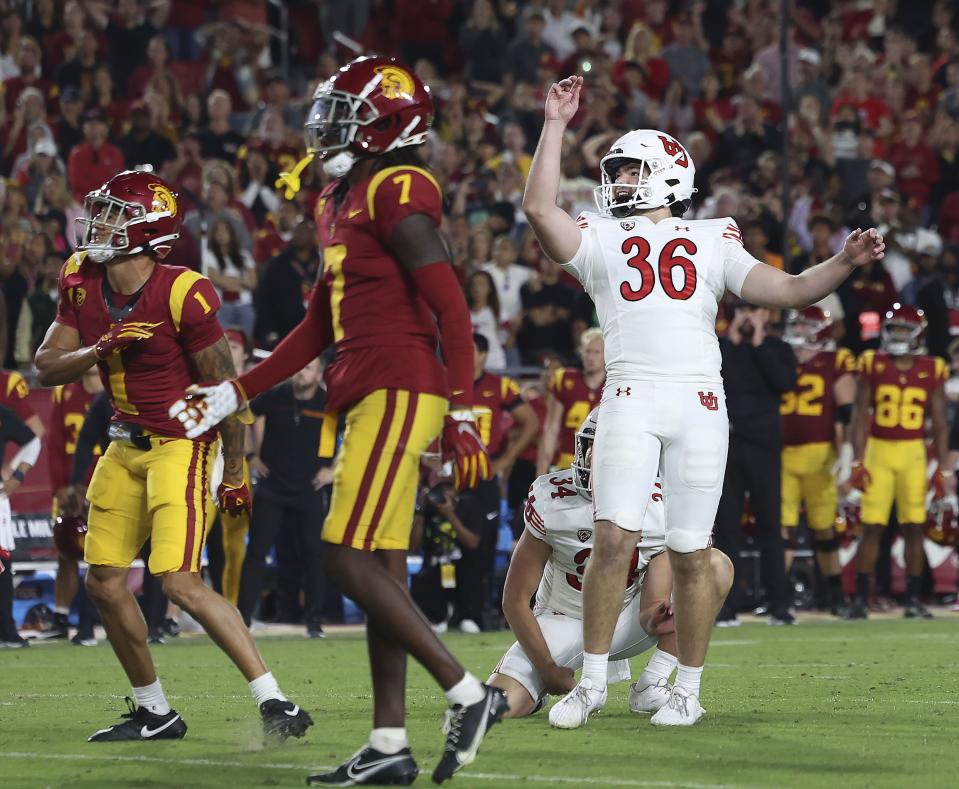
{"points": [[660, 666], [688, 678], [467, 691], [265, 688], [389, 739], [151, 696], [596, 669], [62, 609]]}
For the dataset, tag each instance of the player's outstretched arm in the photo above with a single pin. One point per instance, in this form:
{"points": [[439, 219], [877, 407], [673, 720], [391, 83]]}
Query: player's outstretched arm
{"points": [[525, 571], [770, 287], [60, 358], [556, 230]]}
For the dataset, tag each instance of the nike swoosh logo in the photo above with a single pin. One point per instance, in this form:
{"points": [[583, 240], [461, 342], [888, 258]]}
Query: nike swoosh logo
{"points": [[147, 732], [166, 441], [351, 214], [355, 769], [293, 712]]}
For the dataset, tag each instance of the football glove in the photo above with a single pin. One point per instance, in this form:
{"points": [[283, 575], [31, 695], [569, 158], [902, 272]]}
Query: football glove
{"points": [[234, 501], [204, 407], [859, 476], [938, 484], [842, 468], [123, 335], [461, 444]]}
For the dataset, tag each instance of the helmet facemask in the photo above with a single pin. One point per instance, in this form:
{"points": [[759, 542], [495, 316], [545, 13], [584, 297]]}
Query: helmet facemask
{"points": [[804, 335], [103, 231], [331, 127], [901, 339], [582, 462]]}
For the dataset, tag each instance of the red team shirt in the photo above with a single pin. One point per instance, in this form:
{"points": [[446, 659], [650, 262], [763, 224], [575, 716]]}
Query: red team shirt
{"points": [[13, 394], [809, 410], [144, 379], [70, 405], [494, 397], [384, 332], [900, 400], [569, 387]]}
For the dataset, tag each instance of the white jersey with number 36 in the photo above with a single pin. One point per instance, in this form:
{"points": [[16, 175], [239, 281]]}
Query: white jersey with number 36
{"points": [[556, 514], [656, 287]]}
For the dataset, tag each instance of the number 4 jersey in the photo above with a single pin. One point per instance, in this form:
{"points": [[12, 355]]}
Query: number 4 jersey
{"points": [[657, 287], [556, 514]]}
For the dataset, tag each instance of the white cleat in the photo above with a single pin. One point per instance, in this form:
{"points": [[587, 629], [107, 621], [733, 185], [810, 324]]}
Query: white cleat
{"points": [[574, 709], [648, 699], [682, 709]]}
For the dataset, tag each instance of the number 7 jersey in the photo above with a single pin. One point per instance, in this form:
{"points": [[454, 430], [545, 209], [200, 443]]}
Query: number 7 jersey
{"points": [[556, 514], [657, 287]]}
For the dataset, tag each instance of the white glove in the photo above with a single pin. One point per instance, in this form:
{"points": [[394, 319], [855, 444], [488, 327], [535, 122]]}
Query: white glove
{"points": [[842, 468], [204, 407]]}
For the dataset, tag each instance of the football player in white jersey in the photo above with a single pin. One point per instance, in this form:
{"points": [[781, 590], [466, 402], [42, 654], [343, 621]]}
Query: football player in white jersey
{"points": [[656, 280], [549, 560]]}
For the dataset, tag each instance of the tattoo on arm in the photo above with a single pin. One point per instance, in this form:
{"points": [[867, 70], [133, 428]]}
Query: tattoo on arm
{"points": [[212, 365]]}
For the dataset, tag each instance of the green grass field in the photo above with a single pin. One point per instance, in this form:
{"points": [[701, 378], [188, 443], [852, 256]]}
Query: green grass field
{"points": [[824, 704]]}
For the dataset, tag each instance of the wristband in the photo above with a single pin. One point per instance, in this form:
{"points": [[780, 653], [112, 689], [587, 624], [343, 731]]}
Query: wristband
{"points": [[18, 475]]}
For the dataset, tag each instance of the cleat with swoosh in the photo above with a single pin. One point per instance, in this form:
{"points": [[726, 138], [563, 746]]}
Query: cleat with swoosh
{"points": [[282, 719], [141, 724], [369, 767]]}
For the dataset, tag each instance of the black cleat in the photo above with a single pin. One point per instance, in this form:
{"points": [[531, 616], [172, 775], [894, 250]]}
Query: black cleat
{"points": [[368, 767], [282, 719], [141, 724], [857, 609], [916, 610], [781, 617], [170, 627], [465, 729], [59, 628], [16, 642]]}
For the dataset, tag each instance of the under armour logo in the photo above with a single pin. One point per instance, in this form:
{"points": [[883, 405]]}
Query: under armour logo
{"points": [[709, 401], [623, 392]]}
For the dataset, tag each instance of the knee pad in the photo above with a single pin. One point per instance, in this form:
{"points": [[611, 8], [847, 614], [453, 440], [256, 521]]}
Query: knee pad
{"points": [[688, 540], [701, 463]]}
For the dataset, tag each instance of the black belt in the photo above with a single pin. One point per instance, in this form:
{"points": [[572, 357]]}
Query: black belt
{"points": [[130, 434]]}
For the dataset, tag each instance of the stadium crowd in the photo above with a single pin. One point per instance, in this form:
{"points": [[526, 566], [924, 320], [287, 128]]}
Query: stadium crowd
{"points": [[206, 94]]}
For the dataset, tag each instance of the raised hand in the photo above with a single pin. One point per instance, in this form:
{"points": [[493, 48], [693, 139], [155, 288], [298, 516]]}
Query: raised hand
{"points": [[204, 407], [863, 247], [562, 101]]}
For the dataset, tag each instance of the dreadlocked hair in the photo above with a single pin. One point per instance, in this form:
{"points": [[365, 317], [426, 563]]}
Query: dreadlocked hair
{"points": [[401, 157]]}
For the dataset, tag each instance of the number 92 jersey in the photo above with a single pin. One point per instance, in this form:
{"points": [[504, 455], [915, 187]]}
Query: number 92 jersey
{"points": [[657, 287], [809, 410], [556, 514]]}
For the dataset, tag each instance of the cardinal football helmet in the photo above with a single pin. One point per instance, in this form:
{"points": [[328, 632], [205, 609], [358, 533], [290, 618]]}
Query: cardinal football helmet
{"points": [[666, 178], [133, 212], [810, 329], [904, 331], [371, 106], [69, 535], [582, 476], [941, 524]]}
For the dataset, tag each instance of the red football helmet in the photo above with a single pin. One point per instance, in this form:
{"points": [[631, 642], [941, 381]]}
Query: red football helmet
{"points": [[941, 524], [371, 106], [131, 213], [904, 331], [69, 535], [810, 328]]}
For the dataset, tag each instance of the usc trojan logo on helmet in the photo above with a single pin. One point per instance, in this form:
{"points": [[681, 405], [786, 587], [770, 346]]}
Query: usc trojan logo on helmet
{"points": [[396, 83], [163, 200]]}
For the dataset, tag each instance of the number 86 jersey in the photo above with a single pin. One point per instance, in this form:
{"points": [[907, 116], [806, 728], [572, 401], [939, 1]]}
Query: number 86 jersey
{"points": [[556, 514], [657, 287]]}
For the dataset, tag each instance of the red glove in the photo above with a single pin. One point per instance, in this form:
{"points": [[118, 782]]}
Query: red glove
{"points": [[234, 501], [462, 444], [938, 484], [122, 335], [859, 477]]}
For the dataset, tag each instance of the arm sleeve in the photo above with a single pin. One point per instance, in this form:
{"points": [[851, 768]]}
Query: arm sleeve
{"points": [[96, 425], [307, 341], [29, 453], [199, 327], [398, 192], [737, 262], [438, 286]]}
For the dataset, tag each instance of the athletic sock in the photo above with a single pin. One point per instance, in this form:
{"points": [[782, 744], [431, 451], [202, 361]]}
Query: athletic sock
{"points": [[266, 687], [660, 666], [467, 691], [863, 582], [389, 739], [596, 669], [151, 697], [913, 586], [834, 583], [688, 678]]}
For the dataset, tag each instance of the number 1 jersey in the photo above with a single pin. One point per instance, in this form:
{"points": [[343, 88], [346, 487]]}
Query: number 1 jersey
{"points": [[657, 287], [556, 514]]}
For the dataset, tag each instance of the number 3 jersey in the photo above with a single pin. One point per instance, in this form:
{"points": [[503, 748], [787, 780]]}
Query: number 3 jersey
{"points": [[556, 514], [657, 287]]}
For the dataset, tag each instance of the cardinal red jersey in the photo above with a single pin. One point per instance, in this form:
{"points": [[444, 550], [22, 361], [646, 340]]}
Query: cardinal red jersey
{"points": [[538, 403], [384, 332], [900, 400], [14, 392], [577, 399], [809, 410], [494, 396], [145, 378], [70, 404]]}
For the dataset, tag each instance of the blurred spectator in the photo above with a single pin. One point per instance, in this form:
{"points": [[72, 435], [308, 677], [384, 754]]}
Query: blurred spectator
{"points": [[77, 72], [142, 144], [514, 149], [422, 27], [29, 75], [284, 288], [485, 312], [257, 176], [576, 189], [547, 308], [822, 230], [559, 27], [32, 172], [218, 140], [129, 32], [157, 61], [484, 43], [508, 277], [216, 206], [916, 163], [524, 54], [95, 160], [687, 62], [25, 126], [233, 273], [69, 128], [745, 138]]}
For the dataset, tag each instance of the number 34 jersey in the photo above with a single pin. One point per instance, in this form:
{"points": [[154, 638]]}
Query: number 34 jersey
{"points": [[657, 287], [556, 514], [900, 400]]}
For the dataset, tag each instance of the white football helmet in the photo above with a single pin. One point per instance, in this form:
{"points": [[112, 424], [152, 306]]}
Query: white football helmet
{"points": [[666, 180], [582, 476]]}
